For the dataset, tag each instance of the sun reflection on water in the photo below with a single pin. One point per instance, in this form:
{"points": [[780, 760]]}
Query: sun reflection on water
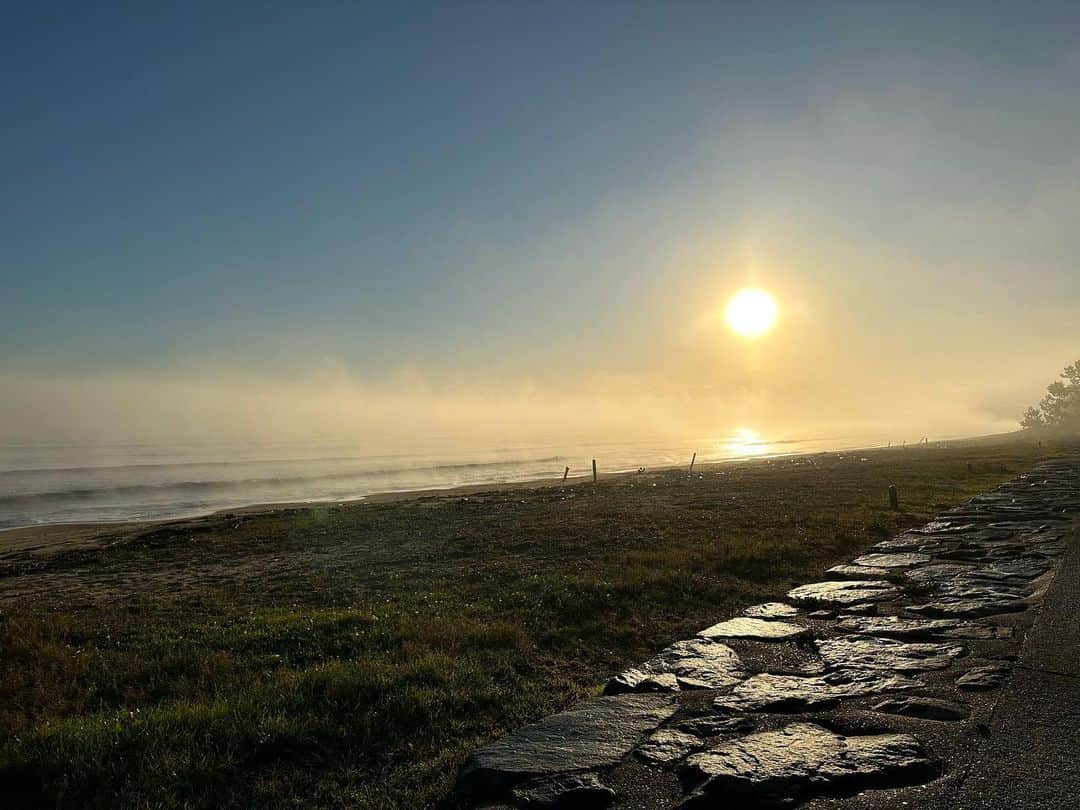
{"points": [[745, 442]]}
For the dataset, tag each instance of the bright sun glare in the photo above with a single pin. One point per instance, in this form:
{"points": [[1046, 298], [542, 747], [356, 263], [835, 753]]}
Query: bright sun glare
{"points": [[752, 312]]}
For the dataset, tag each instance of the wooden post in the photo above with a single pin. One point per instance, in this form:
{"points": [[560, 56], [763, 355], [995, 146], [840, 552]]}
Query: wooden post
{"points": [[692, 460], [894, 500], [565, 473], [594, 470]]}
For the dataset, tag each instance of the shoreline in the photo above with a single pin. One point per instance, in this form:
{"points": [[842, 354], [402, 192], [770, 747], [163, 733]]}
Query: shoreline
{"points": [[51, 538], [75, 535]]}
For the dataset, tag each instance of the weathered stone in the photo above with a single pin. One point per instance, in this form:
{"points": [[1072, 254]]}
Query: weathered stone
{"points": [[669, 745], [842, 594], [986, 677], [943, 527], [771, 610], [756, 629], [1017, 571], [565, 792], [909, 542], [901, 628], [713, 725], [662, 682], [695, 663], [975, 630], [975, 591], [821, 614], [900, 560], [935, 573], [1008, 575], [595, 734], [895, 626], [850, 571], [863, 609], [970, 608], [886, 654], [793, 693], [924, 708], [779, 768]]}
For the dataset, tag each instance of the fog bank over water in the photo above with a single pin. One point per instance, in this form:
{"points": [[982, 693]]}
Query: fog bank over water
{"points": [[136, 449], [409, 411], [164, 445]]}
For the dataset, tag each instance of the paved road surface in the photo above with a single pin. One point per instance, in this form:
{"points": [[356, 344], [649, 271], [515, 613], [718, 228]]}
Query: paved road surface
{"points": [[1032, 756]]}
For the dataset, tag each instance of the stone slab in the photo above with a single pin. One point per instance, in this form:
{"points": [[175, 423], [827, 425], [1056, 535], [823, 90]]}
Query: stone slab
{"points": [[886, 654], [755, 629], [595, 734], [695, 663], [794, 693], [779, 768], [843, 593]]}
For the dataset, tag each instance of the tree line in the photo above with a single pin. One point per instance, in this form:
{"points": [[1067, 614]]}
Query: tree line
{"points": [[1060, 408]]}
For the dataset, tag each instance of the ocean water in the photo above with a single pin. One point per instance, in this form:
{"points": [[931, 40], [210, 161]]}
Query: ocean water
{"points": [[43, 483]]}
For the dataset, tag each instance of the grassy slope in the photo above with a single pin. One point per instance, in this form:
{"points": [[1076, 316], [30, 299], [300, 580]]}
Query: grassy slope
{"points": [[352, 656]]}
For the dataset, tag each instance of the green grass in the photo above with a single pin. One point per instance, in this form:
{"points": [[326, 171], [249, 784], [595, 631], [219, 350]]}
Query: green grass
{"points": [[353, 656]]}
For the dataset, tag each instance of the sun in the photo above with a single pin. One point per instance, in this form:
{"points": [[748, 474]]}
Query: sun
{"points": [[751, 312]]}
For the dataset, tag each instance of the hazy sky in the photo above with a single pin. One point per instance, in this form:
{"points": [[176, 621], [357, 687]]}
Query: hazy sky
{"points": [[512, 219]]}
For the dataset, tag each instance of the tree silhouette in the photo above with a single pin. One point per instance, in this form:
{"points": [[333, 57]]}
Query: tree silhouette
{"points": [[1060, 407]]}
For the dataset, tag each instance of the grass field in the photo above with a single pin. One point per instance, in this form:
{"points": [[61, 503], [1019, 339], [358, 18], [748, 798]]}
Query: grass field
{"points": [[352, 656]]}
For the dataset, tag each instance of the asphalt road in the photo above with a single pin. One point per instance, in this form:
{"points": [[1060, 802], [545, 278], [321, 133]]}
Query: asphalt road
{"points": [[1031, 756]]}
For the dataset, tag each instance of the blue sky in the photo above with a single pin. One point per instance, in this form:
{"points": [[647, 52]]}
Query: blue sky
{"points": [[523, 194]]}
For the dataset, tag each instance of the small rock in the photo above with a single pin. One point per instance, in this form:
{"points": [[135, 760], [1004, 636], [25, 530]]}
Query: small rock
{"points": [[695, 663], [669, 745], [822, 614], [771, 610], [565, 792], [663, 682], [987, 677]]}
